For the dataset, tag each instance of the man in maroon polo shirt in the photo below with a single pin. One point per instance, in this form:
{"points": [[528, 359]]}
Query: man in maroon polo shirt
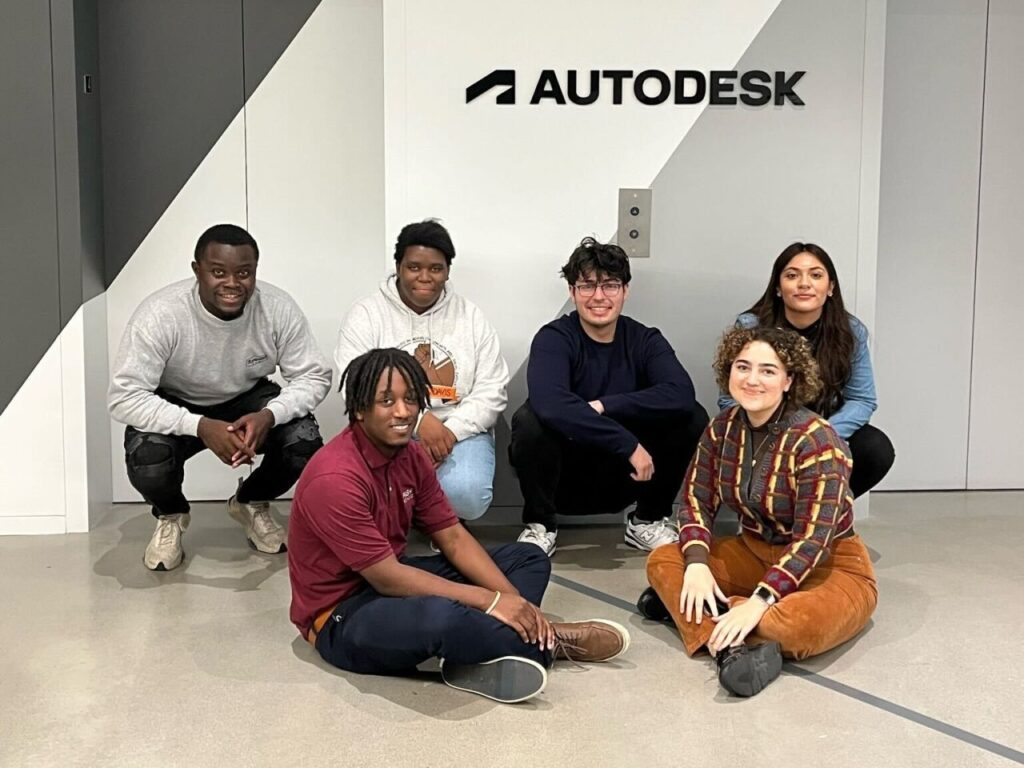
{"points": [[366, 607]]}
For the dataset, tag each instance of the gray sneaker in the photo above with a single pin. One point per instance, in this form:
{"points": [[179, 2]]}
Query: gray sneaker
{"points": [[164, 552], [650, 536], [262, 531], [509, 679], [537, 534]]}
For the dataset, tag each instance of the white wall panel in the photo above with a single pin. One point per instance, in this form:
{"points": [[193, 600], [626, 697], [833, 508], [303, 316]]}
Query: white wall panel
{"points": [[931, 149], [997, 421], [315, 157], [32, 452]]}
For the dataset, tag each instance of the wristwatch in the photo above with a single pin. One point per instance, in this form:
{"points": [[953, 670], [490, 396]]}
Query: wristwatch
{"points": [[765, 595]]}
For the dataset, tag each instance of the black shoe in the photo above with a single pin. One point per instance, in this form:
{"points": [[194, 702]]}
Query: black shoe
{"points": [[650, 606], [508, 679], [745, 670]]}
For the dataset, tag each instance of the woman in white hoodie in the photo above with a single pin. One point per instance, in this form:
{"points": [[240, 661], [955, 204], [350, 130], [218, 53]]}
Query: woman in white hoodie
{"points": [[414, 310]]}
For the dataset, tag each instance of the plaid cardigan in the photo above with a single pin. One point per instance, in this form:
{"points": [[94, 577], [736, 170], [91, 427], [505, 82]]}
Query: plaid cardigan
{"points": [[797, 493]]}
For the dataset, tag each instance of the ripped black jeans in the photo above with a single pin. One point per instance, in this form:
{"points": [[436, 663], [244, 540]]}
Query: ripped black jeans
{"points": [[156, 463]]}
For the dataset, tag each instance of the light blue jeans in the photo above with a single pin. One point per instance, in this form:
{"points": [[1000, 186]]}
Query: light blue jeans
{"points": [[467, 475]]}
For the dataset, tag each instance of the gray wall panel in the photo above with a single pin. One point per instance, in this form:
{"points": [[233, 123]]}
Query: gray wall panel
{"points": [[29, 298], [997, 421], [171, 77], [931, 149], [746, 182], [269, 26]]}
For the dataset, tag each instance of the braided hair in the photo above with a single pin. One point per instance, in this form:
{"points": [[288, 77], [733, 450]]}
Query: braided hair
{"points": [[360, 377]]}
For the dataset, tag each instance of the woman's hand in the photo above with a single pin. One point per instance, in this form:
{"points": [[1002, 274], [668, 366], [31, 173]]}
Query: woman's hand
{"points": [[699, 587], [735, 624]]}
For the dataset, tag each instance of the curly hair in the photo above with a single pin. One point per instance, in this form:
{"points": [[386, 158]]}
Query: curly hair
{"points": [[794, 353]]}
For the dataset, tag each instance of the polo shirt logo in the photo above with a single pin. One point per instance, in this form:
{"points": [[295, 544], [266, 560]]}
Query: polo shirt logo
{"points": [[407, 496]]}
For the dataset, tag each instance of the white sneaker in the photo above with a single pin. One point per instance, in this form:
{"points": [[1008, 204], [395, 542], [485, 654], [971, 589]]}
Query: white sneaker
{"points": [[535, 533], [650, 536], [263, 532], [164, 552]]}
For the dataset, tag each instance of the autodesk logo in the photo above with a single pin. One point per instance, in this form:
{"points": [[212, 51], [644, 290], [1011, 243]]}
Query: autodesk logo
{"points": [[753, 88]]}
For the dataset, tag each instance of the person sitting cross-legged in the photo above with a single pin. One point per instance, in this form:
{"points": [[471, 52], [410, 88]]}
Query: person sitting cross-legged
{"points": [[368, 607], [798, 580]]}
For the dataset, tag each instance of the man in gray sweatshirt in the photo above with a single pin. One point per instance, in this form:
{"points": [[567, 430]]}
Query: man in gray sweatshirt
{"points": [[191, 373]]}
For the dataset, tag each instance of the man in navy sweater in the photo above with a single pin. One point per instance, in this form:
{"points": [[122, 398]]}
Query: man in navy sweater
{"points": [[611, 417]]}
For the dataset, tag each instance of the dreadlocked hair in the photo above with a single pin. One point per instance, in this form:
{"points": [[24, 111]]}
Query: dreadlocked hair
{"points": [[360, 377]]}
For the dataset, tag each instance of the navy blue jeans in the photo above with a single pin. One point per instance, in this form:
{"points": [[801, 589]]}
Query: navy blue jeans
{"points": [[372, 634]]}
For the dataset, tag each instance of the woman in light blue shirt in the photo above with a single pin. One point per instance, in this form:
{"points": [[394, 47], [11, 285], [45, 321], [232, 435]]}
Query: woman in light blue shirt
{"points": [[803, 295]]}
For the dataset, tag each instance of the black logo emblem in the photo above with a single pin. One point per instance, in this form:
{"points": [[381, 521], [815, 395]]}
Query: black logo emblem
{"points": [[499, 77]]}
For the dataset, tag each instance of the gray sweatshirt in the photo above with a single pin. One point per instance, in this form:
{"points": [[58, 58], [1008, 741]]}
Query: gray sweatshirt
{"points": [[173, 343]]}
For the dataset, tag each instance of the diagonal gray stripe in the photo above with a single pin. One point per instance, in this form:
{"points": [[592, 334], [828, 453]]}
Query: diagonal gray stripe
{"points": [[597, 594], [907, 714], [834, 685]]}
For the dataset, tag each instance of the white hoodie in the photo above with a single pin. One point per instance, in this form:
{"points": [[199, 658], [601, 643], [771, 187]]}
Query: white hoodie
{"points": [[453, 342]]}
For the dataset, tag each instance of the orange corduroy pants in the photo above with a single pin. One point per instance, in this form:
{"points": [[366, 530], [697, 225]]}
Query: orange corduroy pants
{"points": [[832, 605]]}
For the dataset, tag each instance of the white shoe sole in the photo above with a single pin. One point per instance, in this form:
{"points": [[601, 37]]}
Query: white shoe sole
{"points": [[634, 542], [160, 565], [507, 680]]}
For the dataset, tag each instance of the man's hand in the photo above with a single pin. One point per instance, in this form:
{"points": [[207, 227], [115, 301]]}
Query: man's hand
{"points": [[252, 429], [436, 438], [526, 619], [597, 405], [643, 464], [226, 445], [734, 625]]}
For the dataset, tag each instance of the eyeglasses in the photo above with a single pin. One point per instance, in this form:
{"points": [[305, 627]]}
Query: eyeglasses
{"points": [[610, 288]]}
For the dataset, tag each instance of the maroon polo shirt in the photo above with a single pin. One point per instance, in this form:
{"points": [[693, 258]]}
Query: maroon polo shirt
{"points": [[353, 507]]}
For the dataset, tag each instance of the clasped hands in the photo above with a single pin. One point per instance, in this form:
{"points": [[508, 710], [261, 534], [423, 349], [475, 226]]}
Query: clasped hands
{"points": [[236, 443], [731, 627]]}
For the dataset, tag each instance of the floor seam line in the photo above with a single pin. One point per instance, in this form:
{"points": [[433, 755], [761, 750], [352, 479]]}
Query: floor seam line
{"points": [[843, 689]]}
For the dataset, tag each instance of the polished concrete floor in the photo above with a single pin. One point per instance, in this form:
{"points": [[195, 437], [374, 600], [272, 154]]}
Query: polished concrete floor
{"points": [[103, 663]]}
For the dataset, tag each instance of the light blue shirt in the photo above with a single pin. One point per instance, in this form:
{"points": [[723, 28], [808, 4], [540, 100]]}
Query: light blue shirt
{"points": [[860, 399]]}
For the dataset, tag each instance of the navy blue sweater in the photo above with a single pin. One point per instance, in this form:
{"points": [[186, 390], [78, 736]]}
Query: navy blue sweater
{"points": [[637, 377]]}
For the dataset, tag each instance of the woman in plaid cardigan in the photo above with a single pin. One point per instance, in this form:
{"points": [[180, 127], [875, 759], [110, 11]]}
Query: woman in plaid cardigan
{"points": [[797, 581]]}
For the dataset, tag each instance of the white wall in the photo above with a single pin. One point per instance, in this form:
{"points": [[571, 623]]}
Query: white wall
{"points": [[934, 79], [948, 268], [994, 454]]}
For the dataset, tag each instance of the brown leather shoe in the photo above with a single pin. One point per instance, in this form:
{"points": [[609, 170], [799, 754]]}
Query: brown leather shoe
{"points": [[591, 640]]}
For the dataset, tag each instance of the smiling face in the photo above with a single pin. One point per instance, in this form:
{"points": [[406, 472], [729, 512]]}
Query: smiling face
{"points": [[599, 300], [422, 273], [390, 421], [804, 286], [758, 380], [227, 278]]}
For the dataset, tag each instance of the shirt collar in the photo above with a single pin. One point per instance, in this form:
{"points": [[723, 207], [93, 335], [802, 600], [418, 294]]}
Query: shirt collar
{"points": [[371, 454]]}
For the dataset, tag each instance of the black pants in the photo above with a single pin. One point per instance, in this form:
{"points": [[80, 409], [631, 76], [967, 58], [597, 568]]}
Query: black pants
{"points": [[873, 456], [373, 634], [156, 463], [559, 476]]}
